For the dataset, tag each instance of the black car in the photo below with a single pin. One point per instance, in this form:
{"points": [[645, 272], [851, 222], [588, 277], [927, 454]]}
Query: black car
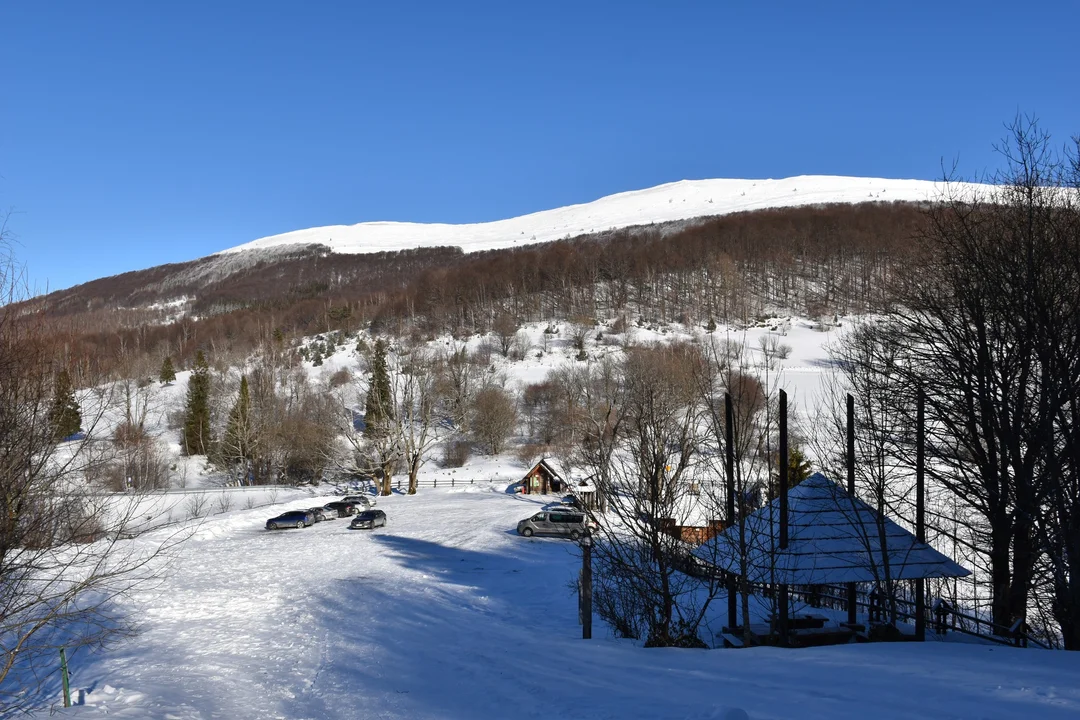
{"points": [[341, 508], [368, 519], [293, 519]]}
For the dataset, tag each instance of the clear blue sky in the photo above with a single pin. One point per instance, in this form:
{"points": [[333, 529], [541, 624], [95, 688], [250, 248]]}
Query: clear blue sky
{"points": [[138, 133]]}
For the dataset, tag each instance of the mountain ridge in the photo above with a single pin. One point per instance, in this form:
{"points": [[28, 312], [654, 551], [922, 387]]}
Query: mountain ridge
{"points": [[669, 202]]}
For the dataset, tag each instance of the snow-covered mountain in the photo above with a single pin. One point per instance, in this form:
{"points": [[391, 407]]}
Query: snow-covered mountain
{"points": [[675, 201]]}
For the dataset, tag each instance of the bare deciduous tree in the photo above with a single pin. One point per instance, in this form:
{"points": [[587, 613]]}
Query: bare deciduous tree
{"points": [[65, 556], [493, 418]]}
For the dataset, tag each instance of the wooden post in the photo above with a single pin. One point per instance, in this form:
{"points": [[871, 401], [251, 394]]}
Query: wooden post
{"points": [[64, 680], [729, 470], [586, 588], [852, 589], [920, 508], [783, 460]]}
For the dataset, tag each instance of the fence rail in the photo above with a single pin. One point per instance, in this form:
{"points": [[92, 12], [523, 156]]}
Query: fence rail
{"points": [[941, 616], [432, 483]]}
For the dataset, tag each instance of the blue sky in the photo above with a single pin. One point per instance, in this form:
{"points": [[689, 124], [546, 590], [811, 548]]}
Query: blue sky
{"points": [[134, 134]]}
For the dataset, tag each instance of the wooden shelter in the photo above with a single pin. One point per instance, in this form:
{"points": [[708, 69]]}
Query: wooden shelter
{"points": [[542, 480]]}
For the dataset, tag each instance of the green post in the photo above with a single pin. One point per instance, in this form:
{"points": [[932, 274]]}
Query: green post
{"points": [[64, 677]]}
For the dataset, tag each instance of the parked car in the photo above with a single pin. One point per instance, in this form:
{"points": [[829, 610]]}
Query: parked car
{"points": [[562, 507], [341, 508], [359, 500], [368, 519], [293, 519], [563, 522], [320, 513]]}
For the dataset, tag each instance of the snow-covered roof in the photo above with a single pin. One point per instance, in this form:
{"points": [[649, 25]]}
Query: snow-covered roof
{"points": [[832, 538]]}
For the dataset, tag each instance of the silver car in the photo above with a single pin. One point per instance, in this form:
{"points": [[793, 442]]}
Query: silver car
{"points": [[359, 500], [560, 523]]}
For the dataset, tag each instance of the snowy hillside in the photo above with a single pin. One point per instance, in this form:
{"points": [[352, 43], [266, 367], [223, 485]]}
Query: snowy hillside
{"points": [[681, 200]]}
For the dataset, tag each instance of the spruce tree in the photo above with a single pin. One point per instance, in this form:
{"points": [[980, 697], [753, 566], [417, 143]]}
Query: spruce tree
{"points": [[64, 416], [236, 446], [168, 372], [378, 411], [196, 438]]}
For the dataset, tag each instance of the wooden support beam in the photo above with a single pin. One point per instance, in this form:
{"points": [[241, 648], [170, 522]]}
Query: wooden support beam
{"points": [[852, 589], [920, 508], [729, 471], [783, 461]]}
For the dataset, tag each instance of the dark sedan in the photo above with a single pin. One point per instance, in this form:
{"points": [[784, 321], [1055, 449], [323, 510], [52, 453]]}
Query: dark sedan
{"points": [[368, 519], [341, 508], [293, 519]]}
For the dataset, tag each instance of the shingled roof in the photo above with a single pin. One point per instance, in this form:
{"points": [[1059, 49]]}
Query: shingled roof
{"points": [[833, 538]]}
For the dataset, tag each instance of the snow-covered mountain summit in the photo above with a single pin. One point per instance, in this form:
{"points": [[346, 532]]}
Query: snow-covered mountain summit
{"points": [[681, 200]]}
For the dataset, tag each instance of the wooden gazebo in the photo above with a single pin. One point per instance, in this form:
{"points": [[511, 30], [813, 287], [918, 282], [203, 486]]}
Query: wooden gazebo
{"points": [[830, 538]]}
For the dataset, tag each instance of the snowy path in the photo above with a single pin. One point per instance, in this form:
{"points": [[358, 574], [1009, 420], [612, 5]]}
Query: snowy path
{"points": [[447, 614]]}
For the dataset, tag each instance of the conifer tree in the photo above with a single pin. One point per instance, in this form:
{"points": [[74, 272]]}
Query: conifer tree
{"points": [[196, 439], [236, 447], [378, 411], [65, 415], [168, 372]]}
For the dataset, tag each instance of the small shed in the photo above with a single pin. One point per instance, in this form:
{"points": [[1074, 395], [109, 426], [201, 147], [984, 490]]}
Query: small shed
{"points": [[587, 495], [542, 480]]}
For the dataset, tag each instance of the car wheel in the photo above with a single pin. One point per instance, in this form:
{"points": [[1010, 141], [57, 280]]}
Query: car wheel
{"points": [[527, 532], [575, 535], [300, 525]]}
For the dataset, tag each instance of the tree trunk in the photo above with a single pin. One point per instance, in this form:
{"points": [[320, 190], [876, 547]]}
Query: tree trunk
{"points": [[387, 477], [1000, 575], [1023, 562], [414, 470]]}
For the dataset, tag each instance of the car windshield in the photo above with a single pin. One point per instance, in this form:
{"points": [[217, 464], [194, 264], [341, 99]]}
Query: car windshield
{"points": [[366, 516]]}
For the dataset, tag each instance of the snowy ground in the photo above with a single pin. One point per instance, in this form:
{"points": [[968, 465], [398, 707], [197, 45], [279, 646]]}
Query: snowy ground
{"points": [[446, 613]]}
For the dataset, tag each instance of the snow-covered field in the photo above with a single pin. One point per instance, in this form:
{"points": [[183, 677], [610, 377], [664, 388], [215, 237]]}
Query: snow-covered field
{"points": [[681, 200], [446, 613]]}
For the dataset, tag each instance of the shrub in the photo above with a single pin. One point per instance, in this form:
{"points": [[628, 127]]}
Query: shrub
{"points": [[341, 377], [456, 453]]}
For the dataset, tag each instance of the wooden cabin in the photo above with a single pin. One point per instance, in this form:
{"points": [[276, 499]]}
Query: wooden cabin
{"points": [[542, 480], [693, 534]]}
